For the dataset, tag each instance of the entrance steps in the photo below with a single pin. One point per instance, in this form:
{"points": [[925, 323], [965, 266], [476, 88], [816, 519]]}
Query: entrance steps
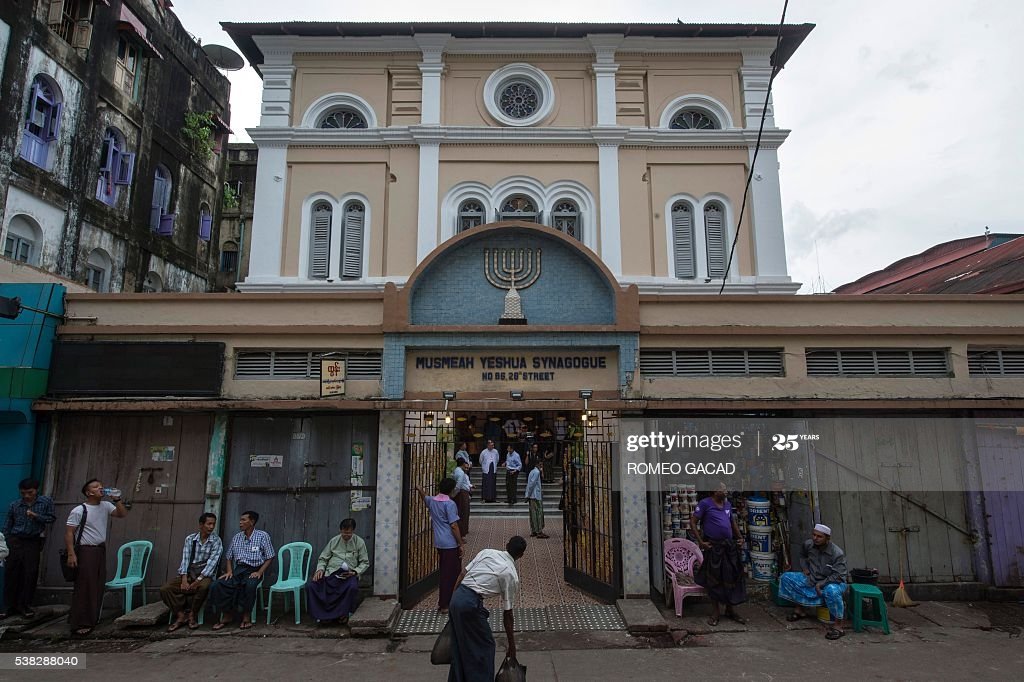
{"points": [[552, 493]]}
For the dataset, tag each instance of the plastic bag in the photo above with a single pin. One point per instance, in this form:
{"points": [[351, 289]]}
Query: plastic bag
{"points": [[511, 670], [441, 654]]}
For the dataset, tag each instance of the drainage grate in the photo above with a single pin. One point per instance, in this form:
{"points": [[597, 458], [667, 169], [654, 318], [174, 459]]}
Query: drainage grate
{"points": [[538, 619]]}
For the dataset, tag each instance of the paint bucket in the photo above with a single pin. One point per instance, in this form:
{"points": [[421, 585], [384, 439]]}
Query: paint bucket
{"points": [[763, 564], [757, 511], [823, 615], [760, 539]]}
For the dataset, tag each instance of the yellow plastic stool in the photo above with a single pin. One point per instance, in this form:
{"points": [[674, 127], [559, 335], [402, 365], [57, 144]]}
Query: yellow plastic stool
{"points": [[823, 615]]}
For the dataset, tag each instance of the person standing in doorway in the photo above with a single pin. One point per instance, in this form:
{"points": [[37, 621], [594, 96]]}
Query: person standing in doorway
{"points": [[489, 465], [535, 498], [513, 465], [512, 428], [249, 556], [85, 539], [491, 573], [25, 530], [463, 494], [721, 573], [444, 519]]}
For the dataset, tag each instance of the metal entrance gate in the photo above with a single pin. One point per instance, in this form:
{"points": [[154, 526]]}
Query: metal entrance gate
{"points": [[591, 519], [423, 465]]}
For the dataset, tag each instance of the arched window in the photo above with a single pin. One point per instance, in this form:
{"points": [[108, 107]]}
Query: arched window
{"points": [[320, 240], [714, 233], [352, 245], [229, 257], [205, 222], [683, 246], [471, 214], [566, 218], [694, 119], [161, 220], [519, 207], [23, 241], [341, 118], [117, 166], [97, 271], [42, 122], [153, 284]]}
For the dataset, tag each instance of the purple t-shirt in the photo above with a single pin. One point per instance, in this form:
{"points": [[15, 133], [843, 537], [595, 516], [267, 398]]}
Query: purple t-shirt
{"points": [[715, 523], [443, 513]]}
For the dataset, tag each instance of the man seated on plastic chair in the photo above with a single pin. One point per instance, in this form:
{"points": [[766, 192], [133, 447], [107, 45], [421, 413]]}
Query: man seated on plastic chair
{"points": [[200, 559], [332, 593], [251, 551]]}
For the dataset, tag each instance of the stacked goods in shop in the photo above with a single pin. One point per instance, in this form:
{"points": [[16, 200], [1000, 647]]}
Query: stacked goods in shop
{"points": [[762, 559], [680, 502]]}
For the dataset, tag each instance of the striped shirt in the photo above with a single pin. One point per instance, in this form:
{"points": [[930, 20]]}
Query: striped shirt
{"points": [[208, 552], [19, 524], [252, 550]]}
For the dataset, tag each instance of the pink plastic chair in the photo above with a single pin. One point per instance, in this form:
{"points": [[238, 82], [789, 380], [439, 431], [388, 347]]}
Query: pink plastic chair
{"points": [[682, 557]]}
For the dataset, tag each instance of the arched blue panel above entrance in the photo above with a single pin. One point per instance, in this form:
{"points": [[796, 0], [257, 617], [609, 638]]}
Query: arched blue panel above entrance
{"points": [[470, 281]]}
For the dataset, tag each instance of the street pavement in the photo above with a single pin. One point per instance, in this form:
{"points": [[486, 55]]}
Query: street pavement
{"points": [[934, 641]]}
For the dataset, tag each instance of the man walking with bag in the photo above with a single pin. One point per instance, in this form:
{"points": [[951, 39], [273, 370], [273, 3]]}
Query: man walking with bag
{"points": [[492, 572], [85, 540]]}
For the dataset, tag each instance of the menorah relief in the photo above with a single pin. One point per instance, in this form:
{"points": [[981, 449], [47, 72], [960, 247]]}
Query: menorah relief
{"points": [[512, 269]]}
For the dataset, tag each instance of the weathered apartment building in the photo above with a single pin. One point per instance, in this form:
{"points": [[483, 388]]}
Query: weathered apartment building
{"points": [[236, 214], [100, 178]]}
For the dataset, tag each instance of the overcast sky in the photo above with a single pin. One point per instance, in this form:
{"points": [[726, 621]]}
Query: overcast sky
{"points": [[905, 115]]}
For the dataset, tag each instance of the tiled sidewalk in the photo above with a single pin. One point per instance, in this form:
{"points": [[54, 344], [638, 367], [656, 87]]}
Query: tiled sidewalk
{"points": [[540, 569]]}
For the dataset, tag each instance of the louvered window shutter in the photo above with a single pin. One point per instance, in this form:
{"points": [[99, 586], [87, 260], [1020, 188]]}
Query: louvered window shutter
{"points": [[157, 209], [682, 241], [55, 13], [714, 230], [53, 127], [320, 243], [352, 259]]}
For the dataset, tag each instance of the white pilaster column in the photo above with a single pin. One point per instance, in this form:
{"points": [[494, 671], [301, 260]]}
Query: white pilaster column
{"points": [[611, 229], [431, 69], [604, 69], [765, 192], [426, 224], [271, 169], [268, 212]]}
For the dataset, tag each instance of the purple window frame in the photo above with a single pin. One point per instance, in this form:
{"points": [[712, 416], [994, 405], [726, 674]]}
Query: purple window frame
{"points": [[35, 149]]}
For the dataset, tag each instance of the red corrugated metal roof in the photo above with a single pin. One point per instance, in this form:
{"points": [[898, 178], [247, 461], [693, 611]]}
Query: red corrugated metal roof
{"points": [[993, 264]]}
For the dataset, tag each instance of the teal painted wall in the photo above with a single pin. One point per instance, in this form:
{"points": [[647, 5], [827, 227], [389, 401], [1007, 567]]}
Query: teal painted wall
{"points": [[26, 344]]}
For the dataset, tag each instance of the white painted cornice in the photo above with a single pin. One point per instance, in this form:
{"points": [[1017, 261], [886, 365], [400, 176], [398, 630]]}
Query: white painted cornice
{"points": [[600, 135], [602, 45]]}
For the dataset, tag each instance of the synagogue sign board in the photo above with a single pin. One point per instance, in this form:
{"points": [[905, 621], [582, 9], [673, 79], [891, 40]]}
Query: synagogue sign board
{"points": [[518, 369]]}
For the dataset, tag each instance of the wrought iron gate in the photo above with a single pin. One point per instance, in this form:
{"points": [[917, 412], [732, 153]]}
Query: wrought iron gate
{"points": [[591, 519], [422, 465]]}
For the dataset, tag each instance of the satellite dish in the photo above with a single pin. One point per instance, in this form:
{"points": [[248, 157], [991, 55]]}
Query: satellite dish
{"points": [[224, 57]]}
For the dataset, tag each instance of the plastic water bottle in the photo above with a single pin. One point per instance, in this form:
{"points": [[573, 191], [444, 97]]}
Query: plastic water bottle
{"points": [[111, 492]]}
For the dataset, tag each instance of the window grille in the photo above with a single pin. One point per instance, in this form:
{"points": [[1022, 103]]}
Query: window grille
{"points": [[303, 364], [566, 218], [340, 119], [518, 208], [471, 214], [987, 362], [712, 362], [519, 99], [878, 362], [693, 119]]}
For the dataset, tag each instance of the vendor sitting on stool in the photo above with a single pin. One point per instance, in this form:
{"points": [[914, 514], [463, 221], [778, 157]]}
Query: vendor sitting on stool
{"points": [[822, 581]]}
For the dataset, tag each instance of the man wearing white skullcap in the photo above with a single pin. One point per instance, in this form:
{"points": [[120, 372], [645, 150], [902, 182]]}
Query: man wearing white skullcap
{"points": [[821, 579]]}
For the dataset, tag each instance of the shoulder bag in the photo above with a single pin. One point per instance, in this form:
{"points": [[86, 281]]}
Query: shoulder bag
{"points": [[71, 572]]}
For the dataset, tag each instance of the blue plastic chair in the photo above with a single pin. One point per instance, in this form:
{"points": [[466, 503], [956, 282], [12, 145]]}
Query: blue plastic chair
{"points": [[299, 554], [140, 552]]}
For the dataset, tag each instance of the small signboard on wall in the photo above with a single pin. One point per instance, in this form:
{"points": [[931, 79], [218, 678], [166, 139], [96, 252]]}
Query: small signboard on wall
{"points": [[332, 377]]}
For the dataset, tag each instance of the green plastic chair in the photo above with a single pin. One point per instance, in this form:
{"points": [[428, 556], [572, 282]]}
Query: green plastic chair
{"points": [[139, 553], [299, 554]]}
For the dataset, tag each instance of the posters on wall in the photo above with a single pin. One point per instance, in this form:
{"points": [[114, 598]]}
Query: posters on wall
{"points": [[359, 501]]}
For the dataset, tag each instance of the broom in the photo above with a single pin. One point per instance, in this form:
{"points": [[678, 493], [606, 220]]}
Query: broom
{"points": [[900, 598]]}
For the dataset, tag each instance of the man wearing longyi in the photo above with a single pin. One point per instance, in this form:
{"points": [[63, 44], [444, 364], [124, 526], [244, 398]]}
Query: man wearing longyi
{"points": [[821, 580]]}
